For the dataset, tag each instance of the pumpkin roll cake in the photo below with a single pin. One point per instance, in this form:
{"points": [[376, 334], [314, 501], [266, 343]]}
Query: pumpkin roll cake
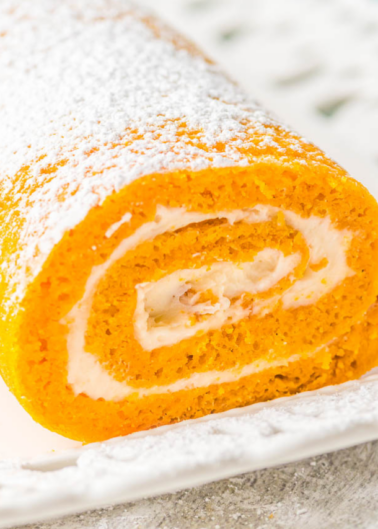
{"points": [[168, 249]]}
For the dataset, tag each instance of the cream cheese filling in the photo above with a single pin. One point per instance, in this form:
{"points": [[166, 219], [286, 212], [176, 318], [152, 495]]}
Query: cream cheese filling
{"points": [[86, 374], [114, 227], [166, 308]]}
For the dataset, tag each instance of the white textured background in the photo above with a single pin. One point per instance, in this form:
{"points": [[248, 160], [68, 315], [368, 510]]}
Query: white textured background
{"points": [[315, 63]]}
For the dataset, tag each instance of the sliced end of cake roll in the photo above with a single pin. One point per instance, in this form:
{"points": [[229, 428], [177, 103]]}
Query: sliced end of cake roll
{"points": [[191, 293], [168, 249]]}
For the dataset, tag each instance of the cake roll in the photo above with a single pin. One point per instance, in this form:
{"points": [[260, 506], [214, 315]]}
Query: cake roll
{"points": [[168, 248]]}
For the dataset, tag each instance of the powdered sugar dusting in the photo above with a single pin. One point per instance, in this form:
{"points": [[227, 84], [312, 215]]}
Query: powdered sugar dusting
{"points": [[190, 453], [100, 94]]}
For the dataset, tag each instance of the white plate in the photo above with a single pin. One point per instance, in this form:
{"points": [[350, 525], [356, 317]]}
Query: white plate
{"points": [[189, 454], [44, 475]]}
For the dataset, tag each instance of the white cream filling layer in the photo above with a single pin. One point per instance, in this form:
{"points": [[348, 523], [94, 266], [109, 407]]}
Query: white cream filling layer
{"points": [[171, 310], [114, 227], [85, 373], [95, 382]]}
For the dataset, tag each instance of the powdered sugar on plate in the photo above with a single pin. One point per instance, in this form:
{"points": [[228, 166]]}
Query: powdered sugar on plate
{"points": [[188, 454], [168, 458]]}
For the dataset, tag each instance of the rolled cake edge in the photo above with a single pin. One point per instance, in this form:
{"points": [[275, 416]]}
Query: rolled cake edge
{"points": [[114, 221]]}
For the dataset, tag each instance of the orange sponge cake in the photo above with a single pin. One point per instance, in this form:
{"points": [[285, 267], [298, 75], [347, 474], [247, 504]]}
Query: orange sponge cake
{"points": [[168, 250]]}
